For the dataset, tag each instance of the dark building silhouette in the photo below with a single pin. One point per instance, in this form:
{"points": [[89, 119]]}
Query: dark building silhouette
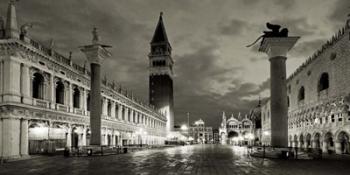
{"points": [[161, 74]]}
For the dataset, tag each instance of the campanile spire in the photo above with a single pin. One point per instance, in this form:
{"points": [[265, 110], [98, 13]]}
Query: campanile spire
{"points": [[161, 73]]}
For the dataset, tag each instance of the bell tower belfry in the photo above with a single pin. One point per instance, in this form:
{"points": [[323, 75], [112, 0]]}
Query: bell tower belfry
{"points": [[161, 74]]}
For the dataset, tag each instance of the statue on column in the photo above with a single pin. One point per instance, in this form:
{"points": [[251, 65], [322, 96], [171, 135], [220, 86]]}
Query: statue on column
{"points": [[274, 32]]}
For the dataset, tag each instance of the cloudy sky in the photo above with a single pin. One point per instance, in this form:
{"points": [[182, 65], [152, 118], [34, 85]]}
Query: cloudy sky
{"points": [[214, 70]]}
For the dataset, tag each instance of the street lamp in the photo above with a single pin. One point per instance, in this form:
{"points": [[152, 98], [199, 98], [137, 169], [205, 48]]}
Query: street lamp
{"points": [[184, 128]]}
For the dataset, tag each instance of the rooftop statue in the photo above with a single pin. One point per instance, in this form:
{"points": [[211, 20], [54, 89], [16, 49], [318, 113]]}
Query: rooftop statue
{"points": [[274, 31]]}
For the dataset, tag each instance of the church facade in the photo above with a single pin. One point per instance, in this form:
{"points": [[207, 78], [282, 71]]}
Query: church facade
{"points": [[44, 101], [236, 130], [318, 99]]}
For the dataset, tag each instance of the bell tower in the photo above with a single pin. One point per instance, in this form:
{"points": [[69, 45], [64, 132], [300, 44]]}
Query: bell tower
{"points": [[161, 74]]}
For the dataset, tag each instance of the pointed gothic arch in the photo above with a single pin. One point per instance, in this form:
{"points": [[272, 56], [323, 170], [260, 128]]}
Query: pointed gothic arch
{"points": [[301, 94], [323, 82]]}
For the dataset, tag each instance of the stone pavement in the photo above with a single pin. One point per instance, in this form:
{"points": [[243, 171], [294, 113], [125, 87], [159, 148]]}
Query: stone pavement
{"points": [[194, 159]]}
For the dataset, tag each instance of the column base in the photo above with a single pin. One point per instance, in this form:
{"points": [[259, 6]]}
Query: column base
{"points": [[52, 105], [27, 100], [14, 158], [11, 98]]}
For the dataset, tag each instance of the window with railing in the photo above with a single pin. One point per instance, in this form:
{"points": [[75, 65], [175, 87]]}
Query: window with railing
{"points": [[76, 98], [59, 92], [38, 86]]}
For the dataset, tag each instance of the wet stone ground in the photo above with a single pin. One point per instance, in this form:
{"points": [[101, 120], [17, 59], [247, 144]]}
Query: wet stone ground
{"points": [[194, 159]]}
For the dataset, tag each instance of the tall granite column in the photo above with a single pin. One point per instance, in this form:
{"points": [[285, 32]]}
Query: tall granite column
{"points": [[276, 48], [95, 53]]}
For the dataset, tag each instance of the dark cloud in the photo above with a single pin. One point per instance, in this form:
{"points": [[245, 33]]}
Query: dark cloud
{"points": [[296, 26], [340, 12], [196, 71]]}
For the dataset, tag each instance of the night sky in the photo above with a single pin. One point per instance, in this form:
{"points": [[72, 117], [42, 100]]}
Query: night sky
{"points": [[214, 71]]}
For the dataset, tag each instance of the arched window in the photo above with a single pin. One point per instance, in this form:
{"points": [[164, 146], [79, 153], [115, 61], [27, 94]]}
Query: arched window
{"points": [[116, 110], [59, 92], [38, 86], [88, 102], [323, 84], [129, 116], [288, 102], [123, 113], [301, 95], [76, 98], [109, 108]]}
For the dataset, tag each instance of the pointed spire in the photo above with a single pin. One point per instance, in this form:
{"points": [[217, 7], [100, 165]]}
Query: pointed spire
{"points": [[11, 30], [160, 35], [223, 116]]}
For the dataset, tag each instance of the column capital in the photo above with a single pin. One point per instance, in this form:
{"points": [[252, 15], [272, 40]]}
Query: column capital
{"points": [[277, 46], [96, 52]]}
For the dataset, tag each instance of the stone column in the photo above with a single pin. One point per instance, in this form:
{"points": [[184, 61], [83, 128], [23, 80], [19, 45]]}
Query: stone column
{"points": [[70, 98], [84, 101], [113, 109], [12, 80], [126, 114], [1, 133], [106, 138], [131, 115], [120, 111], [1, 83], [104, 106], [84, 136], [11, 138], [52, 92], [276, 48], [24, 137], [338, 149], [69, 137], [325, 147], [113, 139], [25, 84], [95, 54]]}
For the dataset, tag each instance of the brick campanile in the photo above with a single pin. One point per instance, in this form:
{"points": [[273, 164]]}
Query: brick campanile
{"points": [[276, 48], [161, 74], [95, 53]]}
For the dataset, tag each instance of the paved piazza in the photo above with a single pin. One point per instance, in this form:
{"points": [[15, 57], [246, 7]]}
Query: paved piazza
{"points": [[196, 159]]}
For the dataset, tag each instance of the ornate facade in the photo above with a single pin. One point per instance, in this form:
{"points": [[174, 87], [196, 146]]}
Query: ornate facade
{"points": [[201, 133], [44, 101], [318, 99], [236, 130]]}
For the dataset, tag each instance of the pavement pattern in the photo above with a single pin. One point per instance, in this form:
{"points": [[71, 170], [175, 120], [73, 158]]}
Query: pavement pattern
{"points": [[192, 159]]}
